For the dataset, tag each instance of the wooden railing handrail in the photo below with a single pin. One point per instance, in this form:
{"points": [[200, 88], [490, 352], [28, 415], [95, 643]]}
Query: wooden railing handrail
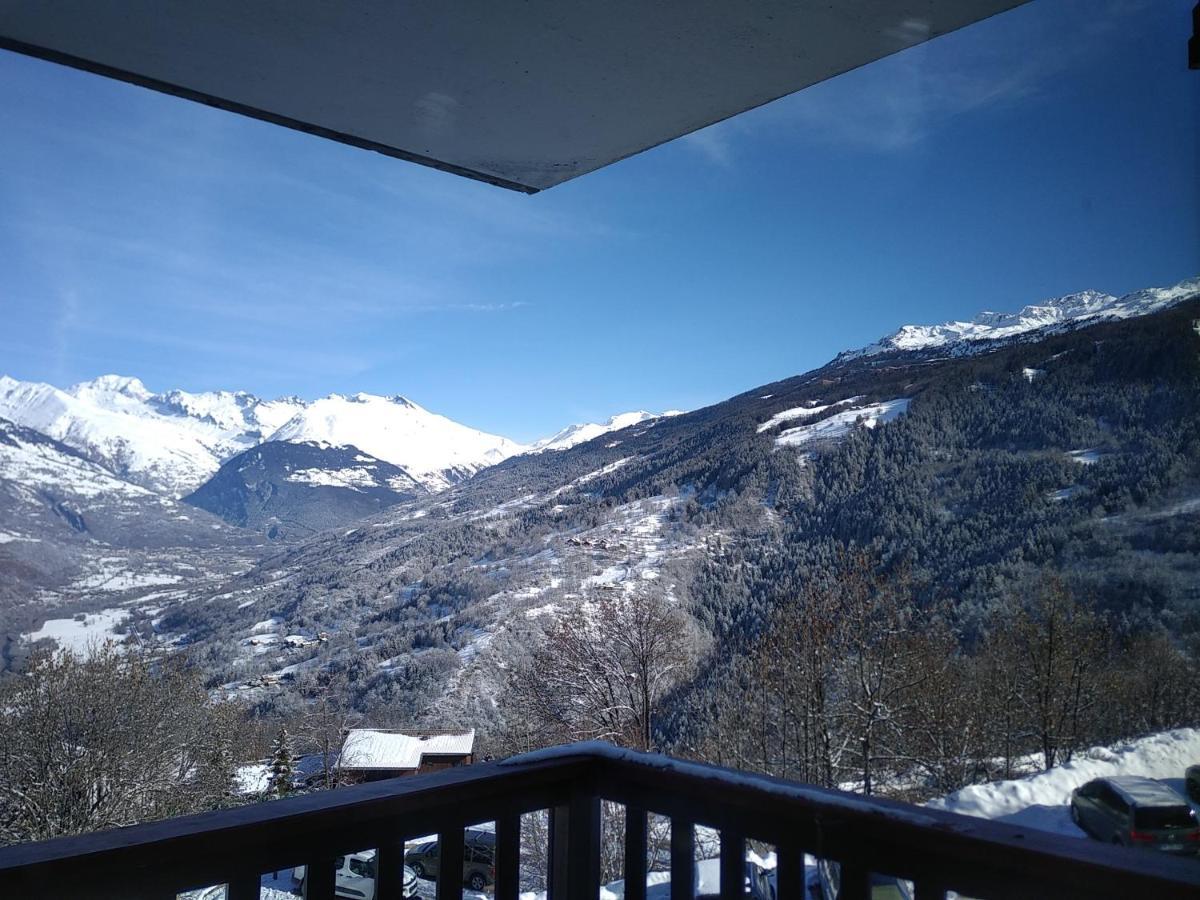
{"points": [[935, 849]]}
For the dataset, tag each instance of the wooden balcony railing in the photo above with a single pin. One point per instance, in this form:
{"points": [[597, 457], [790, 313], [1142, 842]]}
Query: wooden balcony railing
{"points": [[937, 851]]}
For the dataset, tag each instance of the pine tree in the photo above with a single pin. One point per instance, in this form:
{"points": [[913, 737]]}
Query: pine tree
{"points": [[282, 766]]}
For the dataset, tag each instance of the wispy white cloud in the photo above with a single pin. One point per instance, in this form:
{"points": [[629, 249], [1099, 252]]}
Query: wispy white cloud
{"points": [[896, 104], [713, 142], [62, 332], [470, 307]]}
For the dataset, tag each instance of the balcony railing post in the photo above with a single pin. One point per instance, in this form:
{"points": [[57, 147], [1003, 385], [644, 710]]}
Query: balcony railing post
{"points": [[683, 859], [319, 878], [451, 855], [733, 865], [244, 886], [929, 890], [855, 881], [635, 852], [508, 857], [556, 853], [389, 870], [575, 847], [789, 873]]}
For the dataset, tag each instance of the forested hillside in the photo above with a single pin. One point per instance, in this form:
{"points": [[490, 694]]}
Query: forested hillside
{"points": [[1074, 456]]}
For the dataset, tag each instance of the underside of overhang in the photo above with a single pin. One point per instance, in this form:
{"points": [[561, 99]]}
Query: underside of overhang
{"points": [[525, 95]]}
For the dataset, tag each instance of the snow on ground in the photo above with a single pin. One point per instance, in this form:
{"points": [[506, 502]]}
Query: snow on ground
{"points": [[839, 425], [42, 466], [119, 579], [1031, 374], [1041, 801], [591, 476], [800, 412], [1065, 493], [7, 537], [1183, 507], [355, 479], [1085, 457], [79, 635], [610, 575], [252, 778]]}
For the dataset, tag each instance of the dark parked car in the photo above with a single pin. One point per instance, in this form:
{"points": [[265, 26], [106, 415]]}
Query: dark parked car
{"points": [[1136, 812], [1191, 782], [479, 859]]}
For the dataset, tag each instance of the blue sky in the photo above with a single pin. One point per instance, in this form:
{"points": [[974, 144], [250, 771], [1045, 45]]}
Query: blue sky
{"points": [[1047, 150]]}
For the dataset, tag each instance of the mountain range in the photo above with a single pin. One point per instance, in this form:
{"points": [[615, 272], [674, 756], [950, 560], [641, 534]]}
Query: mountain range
{"points": [[1068, 438], [173, 442], [1032, 322]]}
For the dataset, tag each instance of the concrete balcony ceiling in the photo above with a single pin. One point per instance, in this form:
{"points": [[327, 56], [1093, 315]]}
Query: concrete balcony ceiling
{"points": [[525, 95]]}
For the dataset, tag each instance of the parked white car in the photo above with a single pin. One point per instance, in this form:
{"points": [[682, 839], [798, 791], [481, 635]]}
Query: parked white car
{"points": [[354, 876]]}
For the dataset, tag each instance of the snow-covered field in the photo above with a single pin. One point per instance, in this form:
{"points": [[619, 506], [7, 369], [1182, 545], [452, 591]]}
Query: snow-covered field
{"points": [[800, 412], [839, 425], [1041, 801], [77, 635]]}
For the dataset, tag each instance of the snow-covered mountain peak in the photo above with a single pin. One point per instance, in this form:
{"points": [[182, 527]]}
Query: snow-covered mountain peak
{"points": [[1058, 313], [174, 441], [586, 431], [435, 450], [110, 387], [169, 442]]}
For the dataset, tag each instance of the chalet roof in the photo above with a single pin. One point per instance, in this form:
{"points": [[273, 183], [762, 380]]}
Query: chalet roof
{"points": [[524, 95], [368, 748]]}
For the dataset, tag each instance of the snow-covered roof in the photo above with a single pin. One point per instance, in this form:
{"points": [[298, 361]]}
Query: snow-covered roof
{"points": [[367, 748]]}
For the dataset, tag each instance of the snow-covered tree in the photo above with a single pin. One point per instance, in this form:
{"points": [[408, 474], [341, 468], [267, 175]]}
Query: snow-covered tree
{"points": [[106, 739], [283, 765]]}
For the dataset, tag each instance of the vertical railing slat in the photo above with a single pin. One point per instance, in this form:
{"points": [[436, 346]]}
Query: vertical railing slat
{"points": [[319, 879], [789, 873], [508, 857], [243, 886], [926, 889], [855, 881], [451, 851], [556, 853], [389, 869], [683, 860], [733, 865], [635, 852], [583, 846]]}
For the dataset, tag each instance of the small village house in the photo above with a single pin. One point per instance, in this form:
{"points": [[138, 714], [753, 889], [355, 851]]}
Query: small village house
{"points": [[370, 754]]}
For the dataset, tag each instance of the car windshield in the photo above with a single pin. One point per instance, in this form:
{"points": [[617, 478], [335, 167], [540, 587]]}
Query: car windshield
{"points": [[363, 867], [1165, 817]]}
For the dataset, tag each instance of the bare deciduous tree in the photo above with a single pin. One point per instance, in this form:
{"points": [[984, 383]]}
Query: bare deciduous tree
{"points": [[107, 739], [1056, 647], [602, 671]]}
